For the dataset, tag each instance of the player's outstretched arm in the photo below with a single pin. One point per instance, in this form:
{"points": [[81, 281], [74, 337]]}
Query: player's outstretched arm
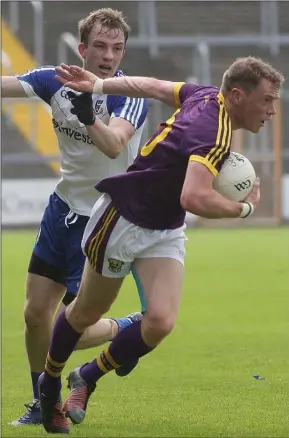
{"points": [[139, 86], [82, 80], [199, 197], [11, 87]]}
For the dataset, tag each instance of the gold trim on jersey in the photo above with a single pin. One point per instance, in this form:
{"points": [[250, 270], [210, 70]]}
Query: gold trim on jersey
{"points": [[151, 144], [177, 89], [204, 161], [220, 98], [223, 140]]}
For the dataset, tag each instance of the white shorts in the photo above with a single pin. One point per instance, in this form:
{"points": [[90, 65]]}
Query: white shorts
{"points": [[111, 243]]}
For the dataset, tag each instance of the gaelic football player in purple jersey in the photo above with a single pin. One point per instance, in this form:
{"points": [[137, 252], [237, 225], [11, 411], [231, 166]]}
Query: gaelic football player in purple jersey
{"points": [[139, 220]]}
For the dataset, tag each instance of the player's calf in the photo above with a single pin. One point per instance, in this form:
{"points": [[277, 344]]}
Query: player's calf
{"points": [[122, 323]]}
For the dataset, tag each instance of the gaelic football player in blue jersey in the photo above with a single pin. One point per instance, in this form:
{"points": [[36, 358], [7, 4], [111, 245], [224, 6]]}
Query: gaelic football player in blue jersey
{"points": [[98, 136]]}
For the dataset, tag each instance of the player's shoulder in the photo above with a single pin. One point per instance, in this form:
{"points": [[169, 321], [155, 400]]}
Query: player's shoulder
{"points": [[210, 113], [216, 106], [41, 81], [44, 76], [211, 101], [46, 71], [200, 99], [207, 93], [191, 94]]}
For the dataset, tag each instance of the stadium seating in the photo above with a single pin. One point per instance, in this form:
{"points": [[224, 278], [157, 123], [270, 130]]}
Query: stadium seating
{"points": [[172, 18]]}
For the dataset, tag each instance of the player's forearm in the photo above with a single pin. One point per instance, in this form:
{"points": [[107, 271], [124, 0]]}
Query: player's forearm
{"points": [[105, 139], [211, 205], [138, 86]]}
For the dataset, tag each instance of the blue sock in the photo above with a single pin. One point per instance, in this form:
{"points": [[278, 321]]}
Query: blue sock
{"points": [[122, 323], [127, 320], [34, 378], [139, 289]]}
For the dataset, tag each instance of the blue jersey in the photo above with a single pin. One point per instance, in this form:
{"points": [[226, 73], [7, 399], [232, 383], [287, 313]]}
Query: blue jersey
{"points": [[83, 165]]}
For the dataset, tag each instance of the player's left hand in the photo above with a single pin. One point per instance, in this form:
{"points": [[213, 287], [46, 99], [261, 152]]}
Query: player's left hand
{"points": [[82, 107], [76, 78], [254, 195]]}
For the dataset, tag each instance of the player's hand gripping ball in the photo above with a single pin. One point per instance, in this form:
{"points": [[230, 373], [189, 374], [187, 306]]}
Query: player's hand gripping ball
{"points": [[236, 177]]}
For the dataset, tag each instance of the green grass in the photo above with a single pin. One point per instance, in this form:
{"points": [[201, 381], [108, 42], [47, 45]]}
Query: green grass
{"points": [[233, 323]]}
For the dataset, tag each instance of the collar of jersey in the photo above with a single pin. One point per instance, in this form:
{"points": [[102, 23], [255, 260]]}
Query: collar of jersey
{"points": [[221, 97], [118, 73]]}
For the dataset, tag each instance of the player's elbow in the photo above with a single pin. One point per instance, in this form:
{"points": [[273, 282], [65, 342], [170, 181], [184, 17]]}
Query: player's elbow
{"points": [[112, 153], [114, 150], [117, 147]]}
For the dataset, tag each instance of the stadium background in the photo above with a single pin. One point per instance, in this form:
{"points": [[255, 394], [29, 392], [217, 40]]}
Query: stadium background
{"points": [[169, 40]]}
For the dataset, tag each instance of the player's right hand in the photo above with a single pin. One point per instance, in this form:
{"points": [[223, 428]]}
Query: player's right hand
{"points": [[254, 195], [76, 78]]}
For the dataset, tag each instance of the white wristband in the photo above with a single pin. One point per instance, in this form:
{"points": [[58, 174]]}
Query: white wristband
{"points": [[98, 86], [248, 209]]}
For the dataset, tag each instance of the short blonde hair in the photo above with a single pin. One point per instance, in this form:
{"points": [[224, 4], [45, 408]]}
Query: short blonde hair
{"points": [[107, 17], [247, 73]]}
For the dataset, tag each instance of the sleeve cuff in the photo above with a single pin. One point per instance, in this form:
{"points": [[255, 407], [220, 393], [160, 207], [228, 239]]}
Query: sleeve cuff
{"points": [[206, 162], [27, 88], [177, 89], [118, 116]]}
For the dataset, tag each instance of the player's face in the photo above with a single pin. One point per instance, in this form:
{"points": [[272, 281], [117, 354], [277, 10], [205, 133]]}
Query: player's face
{"points": [[258, 107], [104, 51]]}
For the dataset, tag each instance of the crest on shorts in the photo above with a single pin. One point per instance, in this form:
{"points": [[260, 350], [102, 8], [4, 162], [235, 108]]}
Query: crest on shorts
{"points": [[115, 265]]}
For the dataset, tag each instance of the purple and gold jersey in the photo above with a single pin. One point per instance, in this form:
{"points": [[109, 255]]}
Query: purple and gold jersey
{"points": [[148, 194]]}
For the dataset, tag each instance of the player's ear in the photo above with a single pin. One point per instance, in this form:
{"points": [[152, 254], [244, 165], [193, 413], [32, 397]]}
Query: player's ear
{"points": [[82, 50], [236, 94]]}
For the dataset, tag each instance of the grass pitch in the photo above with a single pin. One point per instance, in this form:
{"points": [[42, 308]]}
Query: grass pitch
{"points": [[233, 324]]}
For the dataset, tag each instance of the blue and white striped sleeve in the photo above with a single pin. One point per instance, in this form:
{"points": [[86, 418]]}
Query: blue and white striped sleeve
{"points": [[40, 82], [134, 110]]}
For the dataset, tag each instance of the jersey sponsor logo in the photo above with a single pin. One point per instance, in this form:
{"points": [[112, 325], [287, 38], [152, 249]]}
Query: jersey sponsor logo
{"points": [[243, 185], [72, 133], [115, 265]]}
